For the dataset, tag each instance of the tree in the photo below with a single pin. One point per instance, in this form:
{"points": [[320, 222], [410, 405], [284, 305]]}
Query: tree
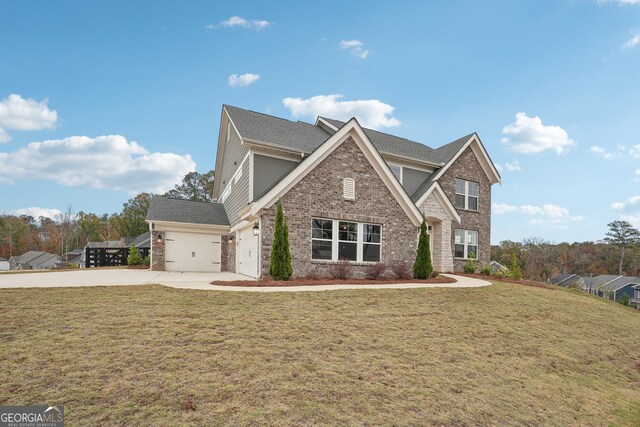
{"points": [[89, 227], [515, 272], [422, 267], [131, 221], [280, 264], [623, 235], [134, 257], [195, 186]]}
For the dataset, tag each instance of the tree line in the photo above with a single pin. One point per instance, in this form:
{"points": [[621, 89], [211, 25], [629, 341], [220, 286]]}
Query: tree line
{"points": [[70, 230], [617, 253]]}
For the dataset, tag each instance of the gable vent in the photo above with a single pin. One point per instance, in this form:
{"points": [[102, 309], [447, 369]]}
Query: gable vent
{"points": [[349, 189]]}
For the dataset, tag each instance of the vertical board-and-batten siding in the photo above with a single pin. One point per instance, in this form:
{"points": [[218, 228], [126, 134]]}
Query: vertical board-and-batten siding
{"points": [[235, 152], [267, 171]]}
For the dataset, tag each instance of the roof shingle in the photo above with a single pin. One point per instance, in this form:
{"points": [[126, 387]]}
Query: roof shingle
{"points": [[187, 211]]}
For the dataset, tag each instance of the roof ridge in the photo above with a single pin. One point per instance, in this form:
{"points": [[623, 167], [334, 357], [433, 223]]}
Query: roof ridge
{"points": [[268, 115], [183, 200]]}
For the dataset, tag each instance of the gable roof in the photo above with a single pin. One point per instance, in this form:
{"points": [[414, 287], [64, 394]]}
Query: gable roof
{"points": [[36, 259], [142, 241], [351, 129], [620, 283], [186, 211], [560, 278]]}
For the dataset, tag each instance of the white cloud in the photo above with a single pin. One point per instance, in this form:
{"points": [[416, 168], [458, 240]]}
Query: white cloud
{"points": [[35, 212], [619, 1], [500, 168], [632, 42], [102, 162], [355, 47], [548, 214], [371, 113], [236, 80], [638, 172], [630, 203], [605, 154], [513, 166], [528, 135], [17, 113], [240, 22], [635, 151]]}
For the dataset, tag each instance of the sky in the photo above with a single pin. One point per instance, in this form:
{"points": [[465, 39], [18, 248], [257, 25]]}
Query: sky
{"points": [[102, 100]]}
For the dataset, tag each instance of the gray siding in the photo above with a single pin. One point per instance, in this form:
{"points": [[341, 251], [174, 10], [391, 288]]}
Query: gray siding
{"points": [[267, 171], [239, 196], [412, 179]]}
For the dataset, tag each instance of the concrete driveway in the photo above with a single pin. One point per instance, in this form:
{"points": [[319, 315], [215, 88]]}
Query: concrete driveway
{"points": [[119, 277], [113, 277]]}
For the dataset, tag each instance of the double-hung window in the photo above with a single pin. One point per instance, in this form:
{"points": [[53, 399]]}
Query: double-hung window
{"points": [[345, 240], [466, 244], [467, 194]]}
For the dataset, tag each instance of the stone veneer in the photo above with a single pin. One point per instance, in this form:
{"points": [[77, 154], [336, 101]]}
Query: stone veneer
{"points": [[228, 253], [468, 168], [157, 250], [319, 194], [441, 253]]}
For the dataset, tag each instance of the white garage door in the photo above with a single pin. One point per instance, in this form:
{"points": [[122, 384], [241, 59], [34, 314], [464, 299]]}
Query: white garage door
{"points": [[192, 251], [247, 253]]}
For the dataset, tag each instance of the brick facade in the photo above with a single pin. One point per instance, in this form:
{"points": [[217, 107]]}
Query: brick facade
{"points": [[468, 168], [157, 250], [319, 194]]}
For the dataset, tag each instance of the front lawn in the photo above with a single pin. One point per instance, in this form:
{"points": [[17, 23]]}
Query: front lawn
{"points": [[499, 355]]}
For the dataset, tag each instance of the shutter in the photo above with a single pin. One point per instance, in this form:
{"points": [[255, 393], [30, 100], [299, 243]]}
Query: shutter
{"points": [[349, 188]]}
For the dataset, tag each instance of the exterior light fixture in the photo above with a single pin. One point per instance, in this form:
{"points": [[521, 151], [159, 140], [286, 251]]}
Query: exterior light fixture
{"points": [[256, 229], [159, 239], [230, 238]]}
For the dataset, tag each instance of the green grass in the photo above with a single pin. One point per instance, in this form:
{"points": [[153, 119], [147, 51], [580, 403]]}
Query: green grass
{"points": [[500, 355]]}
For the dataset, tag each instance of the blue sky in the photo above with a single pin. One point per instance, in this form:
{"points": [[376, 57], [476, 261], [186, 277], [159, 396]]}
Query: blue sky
{"points": [[101, 100]]}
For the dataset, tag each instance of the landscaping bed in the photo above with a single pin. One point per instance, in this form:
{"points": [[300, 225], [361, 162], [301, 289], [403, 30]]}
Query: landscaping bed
{"points": [[328, 281]]}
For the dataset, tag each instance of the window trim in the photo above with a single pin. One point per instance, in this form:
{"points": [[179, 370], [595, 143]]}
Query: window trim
{"points": [[401, 178], [467, 195], [465, 243], [335, 230]]}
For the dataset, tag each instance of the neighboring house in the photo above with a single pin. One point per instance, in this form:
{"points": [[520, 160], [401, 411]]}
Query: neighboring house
{"points": [[593, 284], [73, 257], [635, 299], [619, 287], [348, 193], [568, 281], [497, 267], [143, 241], [33, 260], [4, 264]]}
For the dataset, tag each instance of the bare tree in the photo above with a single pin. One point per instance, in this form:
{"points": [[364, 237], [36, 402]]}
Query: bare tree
{"points": [[623, 235]]}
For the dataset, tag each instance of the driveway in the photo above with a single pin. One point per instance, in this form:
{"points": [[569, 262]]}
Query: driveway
{"points": [[113, 277], [119, 277]]}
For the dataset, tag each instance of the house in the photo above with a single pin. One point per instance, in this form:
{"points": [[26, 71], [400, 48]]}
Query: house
{"points": [[4, 264], [592, 284], [635, 299], [348, 193], [33, 260], [616, 289], [497, 267], [568, 281]]}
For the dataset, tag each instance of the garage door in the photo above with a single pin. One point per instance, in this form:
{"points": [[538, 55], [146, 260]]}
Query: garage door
{"points": [[192, 251], [247, 253]]}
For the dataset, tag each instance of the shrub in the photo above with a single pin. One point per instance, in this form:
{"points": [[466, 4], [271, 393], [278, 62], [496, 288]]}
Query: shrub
{"points": [[341, 270], [147, 260], [72, 265], [422, 268], [375, 271], [434, 274], [401, 270], [280, 264], [515, 272], [312, 274], [471, 266], [134, 257], [625, 299], [486, 270]]}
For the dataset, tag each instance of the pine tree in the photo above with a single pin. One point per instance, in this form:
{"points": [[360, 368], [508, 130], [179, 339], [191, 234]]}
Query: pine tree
{"points": [[134, 257], [422, 268], [280, 265], [515, 272]]}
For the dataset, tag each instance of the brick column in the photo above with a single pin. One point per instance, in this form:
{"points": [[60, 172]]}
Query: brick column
{"points": [[157, 250]]}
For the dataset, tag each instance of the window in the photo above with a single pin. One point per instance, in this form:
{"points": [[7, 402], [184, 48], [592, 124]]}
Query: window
{"points": [[466, 245], [353, 241], [467, 194], [349, 189], [321, 238], [397, 171]]}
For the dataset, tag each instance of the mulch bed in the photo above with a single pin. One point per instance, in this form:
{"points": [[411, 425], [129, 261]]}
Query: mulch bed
{"points": [[318, 282]]}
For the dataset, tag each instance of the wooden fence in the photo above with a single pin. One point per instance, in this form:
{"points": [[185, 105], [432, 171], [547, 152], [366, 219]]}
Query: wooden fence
{"points": [[105, 257]]}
